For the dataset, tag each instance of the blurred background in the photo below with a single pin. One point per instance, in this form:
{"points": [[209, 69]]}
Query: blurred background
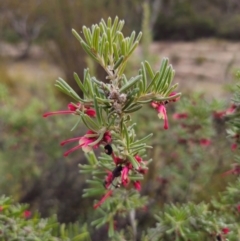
{"points": [[201, 39]]}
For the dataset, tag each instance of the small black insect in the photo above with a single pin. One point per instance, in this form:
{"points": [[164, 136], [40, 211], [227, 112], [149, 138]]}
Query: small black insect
{"points": [[115, 173], [219, 237], [108, 149]]}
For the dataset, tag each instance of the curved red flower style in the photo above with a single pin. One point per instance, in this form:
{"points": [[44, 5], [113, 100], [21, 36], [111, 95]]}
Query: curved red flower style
{"points": [[72, 109], [98, 204]]}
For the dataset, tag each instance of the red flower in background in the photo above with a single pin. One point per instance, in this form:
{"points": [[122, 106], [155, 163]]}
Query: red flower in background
{"points": [[221, 114], [231, 109], [238, 208], [178, 116], [205, 142], [225, 230], [234, 146], [27, 214], [234, 171]]}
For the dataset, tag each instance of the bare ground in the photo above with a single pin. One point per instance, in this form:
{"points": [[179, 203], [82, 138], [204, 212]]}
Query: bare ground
{"points": [[206, 65]]}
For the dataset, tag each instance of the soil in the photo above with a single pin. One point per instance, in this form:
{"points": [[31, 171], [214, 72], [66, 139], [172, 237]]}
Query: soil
{"points": [[206, 66]]}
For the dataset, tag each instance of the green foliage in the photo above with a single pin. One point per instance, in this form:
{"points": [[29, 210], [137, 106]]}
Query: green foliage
{"points": [[30, 159], [24, 136], [17, 223]]}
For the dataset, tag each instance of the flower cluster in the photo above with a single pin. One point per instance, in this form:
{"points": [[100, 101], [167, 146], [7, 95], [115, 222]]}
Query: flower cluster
{"points": [[122, 171]]}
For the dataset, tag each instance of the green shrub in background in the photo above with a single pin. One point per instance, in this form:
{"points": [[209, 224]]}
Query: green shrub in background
{"points": [[18, 223], [30, 159]]}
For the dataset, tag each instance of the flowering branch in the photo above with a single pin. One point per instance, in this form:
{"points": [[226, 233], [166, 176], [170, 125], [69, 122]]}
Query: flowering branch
{"points": [[106, 107]]}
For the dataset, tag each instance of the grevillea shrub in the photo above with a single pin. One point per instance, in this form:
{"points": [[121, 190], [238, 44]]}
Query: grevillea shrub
{"points": [[105, 108], [117, 156]]}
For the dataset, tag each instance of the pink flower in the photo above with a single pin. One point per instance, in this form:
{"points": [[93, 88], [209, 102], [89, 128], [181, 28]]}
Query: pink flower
{"points": [[137, 185], [176, 99], [234, 171], [219, 114], [162, 180], [238, 208], [225, 230], [145, 208], [90, 112], [89, 141], [178, 116], [27, 214], [205, 142], [98, 204], [141, 169], [138, 158], [124, 176], [162, 112], [234, 146], [117, 160], [231, 109], [72, 109], [108, 180]]}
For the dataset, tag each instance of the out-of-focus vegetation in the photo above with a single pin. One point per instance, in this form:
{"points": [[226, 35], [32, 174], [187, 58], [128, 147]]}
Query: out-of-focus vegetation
{"points": [[50, 22], [32, 167], [187, 19], [18, 223]]}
